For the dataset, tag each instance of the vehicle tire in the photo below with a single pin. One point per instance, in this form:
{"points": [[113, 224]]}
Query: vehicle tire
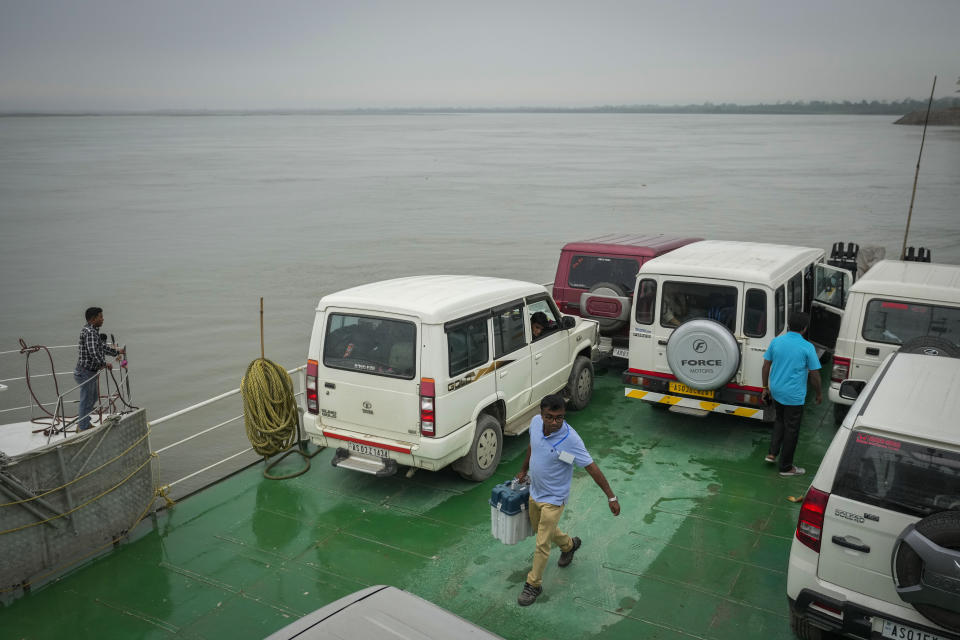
{"points": [[943, 529], [931, 346], [484, 455], [802, 628], [608, 325], [580, 385], [703, 354], [839, 413]]}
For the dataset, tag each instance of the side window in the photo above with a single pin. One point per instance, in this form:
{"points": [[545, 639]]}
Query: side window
{"points": [[795, 293], [467, 345], [508, 332], [779, 301], [543, 318], [755, 314], [807, 288], [646, 301]]}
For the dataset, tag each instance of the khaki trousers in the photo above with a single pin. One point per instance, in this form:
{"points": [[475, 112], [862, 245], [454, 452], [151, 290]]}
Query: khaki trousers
{"points": [[544, 518]]}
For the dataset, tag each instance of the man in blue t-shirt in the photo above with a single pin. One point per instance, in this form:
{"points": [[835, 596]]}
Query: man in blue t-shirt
{"points": [[554, 448], [789, 362]]}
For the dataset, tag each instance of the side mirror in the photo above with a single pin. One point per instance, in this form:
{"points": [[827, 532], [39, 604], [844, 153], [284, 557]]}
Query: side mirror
{"points": [[850, 389], [568, 322]]}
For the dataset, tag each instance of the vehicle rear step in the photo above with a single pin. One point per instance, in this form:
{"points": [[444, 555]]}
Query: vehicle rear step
{"points": [[346, 459], [689, 411]]}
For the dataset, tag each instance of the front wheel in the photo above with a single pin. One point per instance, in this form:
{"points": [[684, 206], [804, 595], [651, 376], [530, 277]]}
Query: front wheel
{"points": [[484, 455], [580, 385]]}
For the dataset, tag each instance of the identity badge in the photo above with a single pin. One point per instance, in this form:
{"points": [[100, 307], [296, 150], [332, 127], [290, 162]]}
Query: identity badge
{"points": [[565, 456]]}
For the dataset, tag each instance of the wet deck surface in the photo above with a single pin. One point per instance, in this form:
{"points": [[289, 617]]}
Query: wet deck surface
{"points": [[699, 551]]}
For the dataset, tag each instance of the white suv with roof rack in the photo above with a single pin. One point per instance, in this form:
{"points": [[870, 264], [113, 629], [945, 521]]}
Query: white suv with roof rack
{"points": [[876, 553], [429, 371]]}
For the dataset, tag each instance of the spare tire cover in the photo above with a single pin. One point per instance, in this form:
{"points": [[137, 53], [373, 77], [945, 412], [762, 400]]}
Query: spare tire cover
{"points": [[703, 354], [931, 346]]}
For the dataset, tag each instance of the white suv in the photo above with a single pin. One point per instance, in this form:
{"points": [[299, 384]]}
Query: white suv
{"points": [[429, 371], [875, 554]]}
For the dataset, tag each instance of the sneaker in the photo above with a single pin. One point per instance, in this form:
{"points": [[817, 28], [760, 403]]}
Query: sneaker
{"points": [[566, 557], [770, 458], [529, 594], [793, 471]]}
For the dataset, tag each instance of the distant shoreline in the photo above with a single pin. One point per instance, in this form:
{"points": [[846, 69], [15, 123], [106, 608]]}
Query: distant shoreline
{"points": [[814, 107]]}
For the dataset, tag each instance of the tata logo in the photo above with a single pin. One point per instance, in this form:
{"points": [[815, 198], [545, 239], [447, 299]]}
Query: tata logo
{"points": [[701, 363], [700, 345], [368, 407]]}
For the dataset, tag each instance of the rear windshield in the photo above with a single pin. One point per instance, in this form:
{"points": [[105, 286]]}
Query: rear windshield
{"points": [[588, 271], [379, 346], [897, 322], [682, 301], [897, 475]]}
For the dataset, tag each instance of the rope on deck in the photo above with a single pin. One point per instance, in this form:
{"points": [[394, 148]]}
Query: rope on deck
{"points": [[270, 414]]}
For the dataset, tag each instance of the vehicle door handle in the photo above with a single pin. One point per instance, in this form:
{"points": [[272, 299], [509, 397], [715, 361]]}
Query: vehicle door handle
{"points": [[663, 342], [856, 546], [873, 351], [329, 385], [503, 374], [537, 356]]}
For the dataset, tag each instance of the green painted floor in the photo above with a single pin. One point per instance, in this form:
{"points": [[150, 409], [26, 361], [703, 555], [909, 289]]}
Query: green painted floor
{"points": [[699, 551]]}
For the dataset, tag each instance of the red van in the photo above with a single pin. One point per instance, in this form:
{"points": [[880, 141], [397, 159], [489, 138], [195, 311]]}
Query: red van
{"points": [[595, 279]]}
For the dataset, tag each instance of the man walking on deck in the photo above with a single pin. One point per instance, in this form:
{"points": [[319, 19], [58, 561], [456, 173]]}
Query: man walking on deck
{"points": [[89, 362], [789, 362], [554, 448]]}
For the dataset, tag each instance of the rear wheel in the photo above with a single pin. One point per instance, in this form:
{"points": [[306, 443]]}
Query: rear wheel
{"points": [[484, 455], [580, 385], [803, 629]]}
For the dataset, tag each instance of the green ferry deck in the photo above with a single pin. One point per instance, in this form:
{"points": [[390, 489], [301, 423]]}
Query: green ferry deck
{"points": [[699, 550]]}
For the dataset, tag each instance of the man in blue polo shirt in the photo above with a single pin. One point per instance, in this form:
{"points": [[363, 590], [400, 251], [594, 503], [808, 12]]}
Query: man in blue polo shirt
{"points": [[789, 362], [554, 448]]}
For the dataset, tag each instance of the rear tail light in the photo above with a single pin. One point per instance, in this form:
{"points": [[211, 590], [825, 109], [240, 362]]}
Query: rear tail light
{"points": [[750, 398], [313, 404], [428, 415], [810, 523], [841, 369]]}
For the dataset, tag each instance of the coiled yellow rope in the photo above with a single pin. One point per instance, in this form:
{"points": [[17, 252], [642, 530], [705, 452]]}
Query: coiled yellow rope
{"points": [[269, 407]]}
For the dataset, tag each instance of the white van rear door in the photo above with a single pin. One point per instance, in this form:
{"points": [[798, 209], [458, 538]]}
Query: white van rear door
{"points": [[831, 286], [368, 375]]}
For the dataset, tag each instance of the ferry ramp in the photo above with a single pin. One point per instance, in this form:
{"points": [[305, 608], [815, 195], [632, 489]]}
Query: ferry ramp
{"points": [[699, 550]]}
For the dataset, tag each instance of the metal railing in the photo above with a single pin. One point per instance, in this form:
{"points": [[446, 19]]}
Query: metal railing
{"points": [[110, 403], [201, 405]]}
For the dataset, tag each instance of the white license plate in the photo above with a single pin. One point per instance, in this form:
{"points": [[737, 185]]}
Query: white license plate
{"points": [[621, 352], [897, 631], [367, 450]]}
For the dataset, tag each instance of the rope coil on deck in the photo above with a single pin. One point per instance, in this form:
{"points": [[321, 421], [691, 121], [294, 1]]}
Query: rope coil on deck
{"points": [[270, 412]]}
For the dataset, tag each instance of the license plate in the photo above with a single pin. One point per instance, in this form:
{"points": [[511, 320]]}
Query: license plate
{"points": [[367, 450], [898, 631], [679, 387], [620, 352]]}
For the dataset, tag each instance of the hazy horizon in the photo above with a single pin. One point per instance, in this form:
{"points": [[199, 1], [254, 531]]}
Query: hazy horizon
{"points": [[245, 55]]}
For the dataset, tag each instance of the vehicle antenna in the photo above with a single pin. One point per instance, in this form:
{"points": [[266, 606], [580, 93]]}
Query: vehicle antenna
{"points": [[916, 175]]}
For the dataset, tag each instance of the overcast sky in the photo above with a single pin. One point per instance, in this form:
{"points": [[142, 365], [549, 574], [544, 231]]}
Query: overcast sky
{"points": [[261, 54]]}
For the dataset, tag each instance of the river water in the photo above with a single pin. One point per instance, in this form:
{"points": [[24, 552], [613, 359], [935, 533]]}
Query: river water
{"points": [[177, 225]]}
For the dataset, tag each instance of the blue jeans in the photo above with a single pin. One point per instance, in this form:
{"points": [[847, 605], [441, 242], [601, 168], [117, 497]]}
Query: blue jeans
{"points": [[88, 395]]}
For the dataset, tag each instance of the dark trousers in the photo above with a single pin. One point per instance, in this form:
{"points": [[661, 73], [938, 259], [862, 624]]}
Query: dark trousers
{"points": [[89, 395], [786, 430]]}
